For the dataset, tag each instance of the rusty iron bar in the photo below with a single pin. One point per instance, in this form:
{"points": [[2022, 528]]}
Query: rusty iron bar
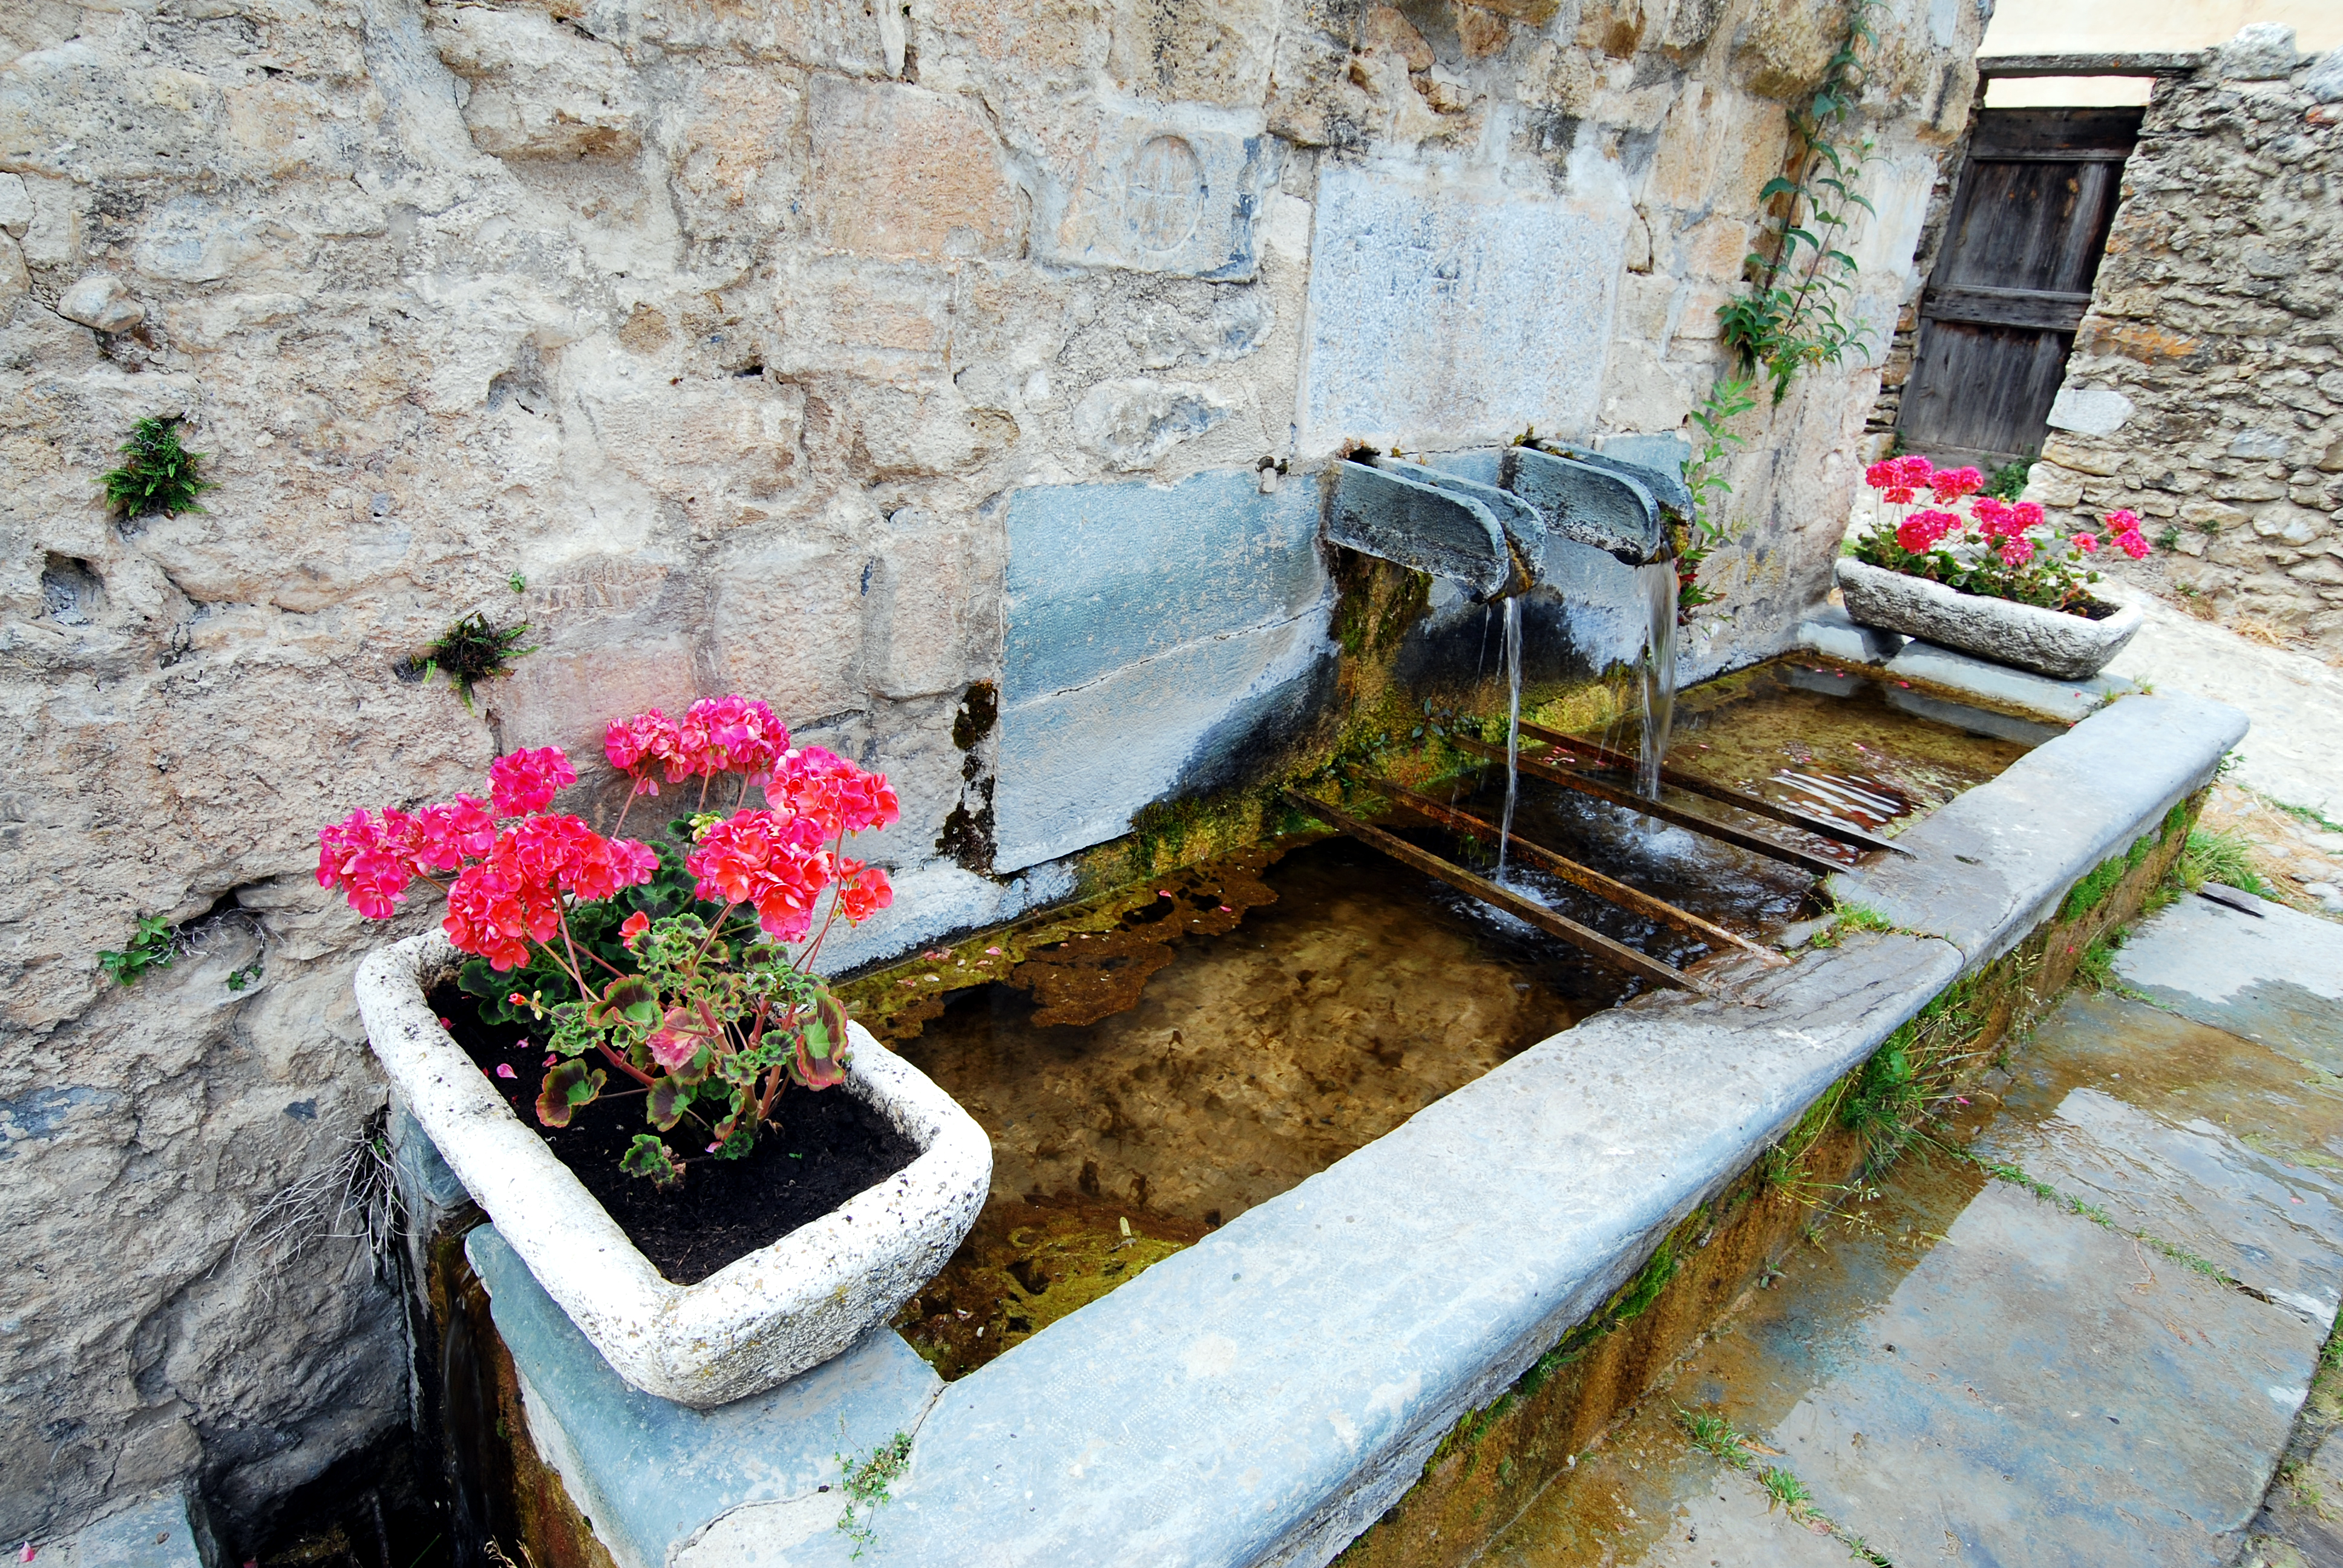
{"points": [[1585, 877], [1513, 903], [1752, 842], [1757, 805]]}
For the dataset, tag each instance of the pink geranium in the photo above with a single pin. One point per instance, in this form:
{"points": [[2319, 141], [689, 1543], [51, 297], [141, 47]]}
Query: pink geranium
{"points": [[691, 1004], [526, 780], [774, 862]]}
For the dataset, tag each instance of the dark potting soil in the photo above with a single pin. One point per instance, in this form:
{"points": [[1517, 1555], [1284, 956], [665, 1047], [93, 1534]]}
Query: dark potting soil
{"points": [[821, 1149]]}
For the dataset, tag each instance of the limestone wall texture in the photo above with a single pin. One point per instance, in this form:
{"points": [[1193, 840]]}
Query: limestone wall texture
{"points": [[725, 342], [2206, 387]]}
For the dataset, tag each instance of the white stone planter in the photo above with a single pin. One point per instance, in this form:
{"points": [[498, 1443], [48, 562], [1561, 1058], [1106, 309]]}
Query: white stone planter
{"points": [[759, 1321], [2046, 641]]}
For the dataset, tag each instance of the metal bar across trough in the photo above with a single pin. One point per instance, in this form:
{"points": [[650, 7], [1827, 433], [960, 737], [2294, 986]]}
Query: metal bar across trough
{"points": [[1755, 805], [1513, 903], [1586, 877], [1752, 842]]}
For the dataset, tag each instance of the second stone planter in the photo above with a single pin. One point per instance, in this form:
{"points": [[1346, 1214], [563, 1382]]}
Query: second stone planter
{"points": [[755, 1322], [2046, 641]]}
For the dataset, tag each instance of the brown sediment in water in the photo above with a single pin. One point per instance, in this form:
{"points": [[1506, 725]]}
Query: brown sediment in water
{"points": [[1025, 1265], [1217, 1064], [1266, 1054]]}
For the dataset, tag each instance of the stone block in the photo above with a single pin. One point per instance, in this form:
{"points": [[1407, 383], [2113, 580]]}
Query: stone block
{"points": [[1168, 190], [1138, 619], [1443, 311], [825, 34], [2089, 412], [933, 608], [2053, 485], [2293, 525], [1717, 148], [735, 144], [652, 1474], [71, 112], [2261, 51], [900, 171], [887, 321], [163, 1531], [2094, 460], [1643, 304], [1213, 52], [15, 206], [738, 431], [281, 127], [101, 303], [789, 627], [1132, 421], [538, 89], [2325, 83]]}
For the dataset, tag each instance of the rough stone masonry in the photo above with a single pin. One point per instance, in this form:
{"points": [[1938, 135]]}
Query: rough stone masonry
{"points": [[715, 339], [2205, 387]]}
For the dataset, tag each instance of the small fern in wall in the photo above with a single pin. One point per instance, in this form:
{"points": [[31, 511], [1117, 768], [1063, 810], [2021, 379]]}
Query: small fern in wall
{"points": [[157, 474]]}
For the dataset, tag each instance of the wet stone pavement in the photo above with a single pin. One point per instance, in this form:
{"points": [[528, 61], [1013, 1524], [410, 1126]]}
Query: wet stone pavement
{"points": [[2095, 1342]]}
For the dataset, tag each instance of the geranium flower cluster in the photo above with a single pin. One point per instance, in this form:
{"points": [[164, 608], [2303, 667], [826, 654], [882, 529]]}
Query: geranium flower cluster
{"points": [[779, 865], [2007, 556], [679, 999], [716, 734], [516, 863]]}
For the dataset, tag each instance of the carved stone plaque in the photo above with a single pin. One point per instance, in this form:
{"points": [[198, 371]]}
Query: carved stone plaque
{"points": [[1178, 190]]}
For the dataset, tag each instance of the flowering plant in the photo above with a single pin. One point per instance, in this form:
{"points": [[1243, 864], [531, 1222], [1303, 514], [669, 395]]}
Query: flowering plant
{"points": [[666, 962], [2002, 549]]}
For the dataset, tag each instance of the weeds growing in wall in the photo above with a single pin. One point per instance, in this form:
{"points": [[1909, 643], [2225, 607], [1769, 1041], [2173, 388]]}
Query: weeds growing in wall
{"points": [[157, 475], [1798, 310]]}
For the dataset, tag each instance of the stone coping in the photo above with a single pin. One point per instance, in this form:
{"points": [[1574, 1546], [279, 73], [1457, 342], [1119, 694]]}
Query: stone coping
{"points": [[1261, 1397], [1829, 632]]}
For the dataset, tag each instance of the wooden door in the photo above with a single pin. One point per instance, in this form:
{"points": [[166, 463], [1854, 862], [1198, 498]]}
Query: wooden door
{"points": [[2013, 279]]}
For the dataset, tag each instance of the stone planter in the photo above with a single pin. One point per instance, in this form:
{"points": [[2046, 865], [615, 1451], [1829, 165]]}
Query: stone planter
{"points": [[2046, 641], [759, 1321]]}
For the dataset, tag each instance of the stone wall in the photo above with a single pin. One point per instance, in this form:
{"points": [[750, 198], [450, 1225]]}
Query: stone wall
{"points": [[786, 347], [2206, 387]]}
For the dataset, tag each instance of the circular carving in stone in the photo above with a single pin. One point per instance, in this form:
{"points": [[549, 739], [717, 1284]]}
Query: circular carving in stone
{"points": [[1165, 196]]}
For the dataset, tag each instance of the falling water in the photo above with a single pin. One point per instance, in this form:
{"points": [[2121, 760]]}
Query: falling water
{"points": [[1658, 581], [1513, 726]]}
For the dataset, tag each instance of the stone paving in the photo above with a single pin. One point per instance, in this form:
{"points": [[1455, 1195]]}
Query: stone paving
{"points": [[2096, 1340]]}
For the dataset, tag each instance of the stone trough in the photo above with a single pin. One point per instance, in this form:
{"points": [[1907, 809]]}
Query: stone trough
{"points": [[1263, 1396]]}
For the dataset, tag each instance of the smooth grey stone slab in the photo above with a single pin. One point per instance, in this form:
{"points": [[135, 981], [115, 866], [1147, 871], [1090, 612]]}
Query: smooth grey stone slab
{"points": [[2277, 978], [1827, 631], [2276, 1228], [1101, 577], [1151, 630], [1990, 865], [2048, 1403], [652, 1474], [1447, 305], [163, 1531]]}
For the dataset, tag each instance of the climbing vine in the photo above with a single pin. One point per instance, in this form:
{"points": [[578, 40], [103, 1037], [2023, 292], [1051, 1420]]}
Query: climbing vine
{"points": [[1798, 309]]}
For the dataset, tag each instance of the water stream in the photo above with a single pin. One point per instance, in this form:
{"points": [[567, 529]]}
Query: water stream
{"points": [[1658, 581], [1513, 727]]}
